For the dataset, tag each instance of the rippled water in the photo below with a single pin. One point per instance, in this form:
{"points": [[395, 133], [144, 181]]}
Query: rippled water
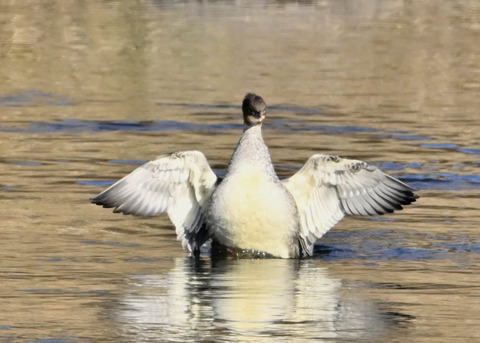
{"points": [[89, 91]]}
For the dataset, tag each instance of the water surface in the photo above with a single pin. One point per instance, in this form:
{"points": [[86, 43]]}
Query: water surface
{"points": [[89, 91]]}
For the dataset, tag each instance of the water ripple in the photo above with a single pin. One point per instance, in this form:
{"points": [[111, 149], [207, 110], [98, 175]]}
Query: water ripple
{"points": [[33, 97], [442, 181], [300, 110], [377, 245], [77, 126]]}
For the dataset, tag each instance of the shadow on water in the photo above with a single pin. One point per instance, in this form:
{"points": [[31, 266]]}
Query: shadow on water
{"points": [[237, 300]]}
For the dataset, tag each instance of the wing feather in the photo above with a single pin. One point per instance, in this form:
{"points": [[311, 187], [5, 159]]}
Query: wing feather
{"points": [[179, 184], [327, 188]]}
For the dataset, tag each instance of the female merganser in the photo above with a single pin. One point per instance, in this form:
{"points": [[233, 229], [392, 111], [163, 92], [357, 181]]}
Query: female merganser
{"points": [[251, 209]]}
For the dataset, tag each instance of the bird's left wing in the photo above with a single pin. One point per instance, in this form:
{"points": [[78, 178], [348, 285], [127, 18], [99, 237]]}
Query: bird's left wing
{"points": [[327, 188], [179, 184]]}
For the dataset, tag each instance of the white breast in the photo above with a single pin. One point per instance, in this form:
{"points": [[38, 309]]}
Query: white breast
{"points": [[251, 208]]}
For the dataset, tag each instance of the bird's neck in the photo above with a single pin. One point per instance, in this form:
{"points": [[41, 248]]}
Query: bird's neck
{"points": [[251, 151], [247, 127]]}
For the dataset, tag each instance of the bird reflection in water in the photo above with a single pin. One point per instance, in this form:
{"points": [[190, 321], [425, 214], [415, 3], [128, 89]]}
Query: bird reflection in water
{"points": [[248, 299]]}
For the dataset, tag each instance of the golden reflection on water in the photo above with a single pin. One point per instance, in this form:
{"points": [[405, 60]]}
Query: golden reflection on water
{"points": [[391, 82]]}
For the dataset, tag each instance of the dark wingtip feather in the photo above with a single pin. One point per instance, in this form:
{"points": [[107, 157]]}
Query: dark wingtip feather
{"points": [[408, 198], [98, 199], [395, 196], [102, 200]]}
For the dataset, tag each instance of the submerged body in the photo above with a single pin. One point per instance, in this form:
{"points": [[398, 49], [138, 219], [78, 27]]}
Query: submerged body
{"points": [[251, 208]]}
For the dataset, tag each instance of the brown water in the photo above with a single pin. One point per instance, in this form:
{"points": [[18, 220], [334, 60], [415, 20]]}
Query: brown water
{"points": [[88, 90]]}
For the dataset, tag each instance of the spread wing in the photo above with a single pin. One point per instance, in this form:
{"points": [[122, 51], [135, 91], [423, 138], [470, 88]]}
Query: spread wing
{"points": [[327, 188], [178, 184]]}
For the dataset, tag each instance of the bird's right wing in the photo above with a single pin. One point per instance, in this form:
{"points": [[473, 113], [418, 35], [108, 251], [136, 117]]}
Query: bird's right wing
{"points": [[327, 188], [179, 184]]}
